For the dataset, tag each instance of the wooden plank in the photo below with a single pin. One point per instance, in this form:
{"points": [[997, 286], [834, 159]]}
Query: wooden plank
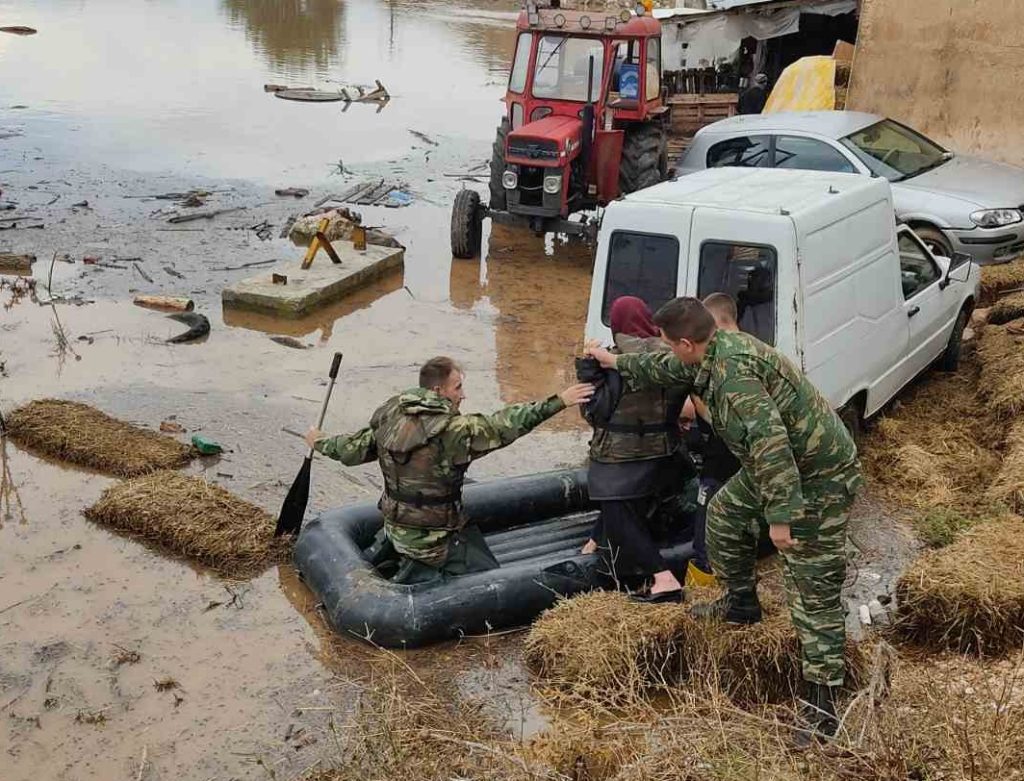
{"points": [[375, 195]]}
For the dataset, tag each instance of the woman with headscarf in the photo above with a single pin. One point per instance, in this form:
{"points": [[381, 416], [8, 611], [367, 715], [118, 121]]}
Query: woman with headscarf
{"points": [[632, 458]]}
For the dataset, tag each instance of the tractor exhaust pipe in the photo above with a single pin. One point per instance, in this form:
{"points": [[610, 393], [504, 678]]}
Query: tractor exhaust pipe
{"points": [[588, 125]]}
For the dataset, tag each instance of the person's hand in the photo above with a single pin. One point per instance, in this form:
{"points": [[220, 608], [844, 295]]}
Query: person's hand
{"points": [[593, 348], [781, 538], [313, 435], [576, 394]]}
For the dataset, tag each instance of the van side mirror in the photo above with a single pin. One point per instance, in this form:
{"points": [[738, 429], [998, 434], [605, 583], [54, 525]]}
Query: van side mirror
{"points": [[959, 269]]}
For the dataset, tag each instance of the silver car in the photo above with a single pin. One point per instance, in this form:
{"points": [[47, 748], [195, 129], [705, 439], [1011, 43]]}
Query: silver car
{"points": [[955, 203]]}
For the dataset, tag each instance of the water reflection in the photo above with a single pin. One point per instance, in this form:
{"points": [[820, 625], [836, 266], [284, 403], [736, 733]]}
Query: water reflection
{"points": [[292, 34], [540, 302]]}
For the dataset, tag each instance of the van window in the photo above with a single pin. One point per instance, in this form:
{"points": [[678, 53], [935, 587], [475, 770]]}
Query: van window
{"points": [[810, 155], [747, 273], [917, 270], [745, 152], [642, 265]]}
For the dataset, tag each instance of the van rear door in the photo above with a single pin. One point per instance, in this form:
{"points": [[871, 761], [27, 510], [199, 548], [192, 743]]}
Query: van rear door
{"points": [[753, 259], [641, 252]]}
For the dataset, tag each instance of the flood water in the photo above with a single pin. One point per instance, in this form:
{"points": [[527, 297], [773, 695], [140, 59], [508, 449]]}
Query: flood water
{"points": [[113, 100]]}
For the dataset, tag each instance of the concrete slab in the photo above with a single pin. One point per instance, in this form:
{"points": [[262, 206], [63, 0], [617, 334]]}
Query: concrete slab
{"points": [[321, 284]]}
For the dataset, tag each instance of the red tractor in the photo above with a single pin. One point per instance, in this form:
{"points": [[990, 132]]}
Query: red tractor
{"points": [[585, 121]]}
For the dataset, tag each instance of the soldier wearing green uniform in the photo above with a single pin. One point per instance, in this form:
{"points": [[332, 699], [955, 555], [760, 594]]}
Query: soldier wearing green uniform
{"points": [[799, 473], [424, 447]]}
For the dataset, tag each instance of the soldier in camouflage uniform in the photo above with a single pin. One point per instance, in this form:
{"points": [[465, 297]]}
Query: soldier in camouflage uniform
{"points": [[424, 447], [799, 473]]}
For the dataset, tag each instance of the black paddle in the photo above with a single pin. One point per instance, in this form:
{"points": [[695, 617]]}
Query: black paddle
{"points": [[294, 507]]}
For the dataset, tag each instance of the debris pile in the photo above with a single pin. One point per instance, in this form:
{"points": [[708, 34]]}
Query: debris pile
{"points": [[1001, 384], [1004, 278], [341, 226], [190, 517], [968, 597], [80, 434], [1006, 309]]}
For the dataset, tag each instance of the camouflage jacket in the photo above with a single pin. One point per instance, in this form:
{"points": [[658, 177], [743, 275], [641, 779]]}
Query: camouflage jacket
{"points": [[436, 444], [645, 423], [783, 431]]}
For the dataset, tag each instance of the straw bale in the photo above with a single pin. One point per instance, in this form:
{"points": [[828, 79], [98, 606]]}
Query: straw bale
{"points": [[1005, 276], [188, 516], [1008, 487], [967, 597], [604, 648], [1001, 382], [80, 434], [1006, 310]]}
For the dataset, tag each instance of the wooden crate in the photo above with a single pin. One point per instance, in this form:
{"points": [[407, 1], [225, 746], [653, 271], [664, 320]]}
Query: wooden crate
{"points": [[692, 112]]}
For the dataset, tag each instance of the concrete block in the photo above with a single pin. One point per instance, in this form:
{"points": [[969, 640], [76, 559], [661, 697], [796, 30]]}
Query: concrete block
{"points": [[321, 284]]}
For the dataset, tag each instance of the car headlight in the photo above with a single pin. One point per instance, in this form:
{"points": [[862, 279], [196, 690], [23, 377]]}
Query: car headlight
{"points": [[510, 180], [552, 184], [995, 218]]}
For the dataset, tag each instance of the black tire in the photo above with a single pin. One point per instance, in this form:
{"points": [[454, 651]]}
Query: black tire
{"points": [[467, 232], [852, 418], [935, 240], [644, 155], [950, 359], [498, 200]]}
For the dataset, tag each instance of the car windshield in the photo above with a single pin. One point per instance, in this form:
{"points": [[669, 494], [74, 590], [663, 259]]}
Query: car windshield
{"points": [[896, 152], [563, 67]]}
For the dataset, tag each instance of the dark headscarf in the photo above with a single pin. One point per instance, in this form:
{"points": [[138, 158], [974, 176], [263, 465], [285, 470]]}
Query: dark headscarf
{"points": [[629, 315]]}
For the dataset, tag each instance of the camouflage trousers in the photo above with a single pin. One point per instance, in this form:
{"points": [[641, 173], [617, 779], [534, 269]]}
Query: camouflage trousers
{"points": [[813, 571]]}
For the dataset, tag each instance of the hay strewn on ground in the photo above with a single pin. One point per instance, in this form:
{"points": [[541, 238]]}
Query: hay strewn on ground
{"points": [[1008, 487], [603, 648], [75, 432], [193, 518], [1001, 383], [912, 721], [1006, 309], [968, 597], [1004, 277], [935, 447]]}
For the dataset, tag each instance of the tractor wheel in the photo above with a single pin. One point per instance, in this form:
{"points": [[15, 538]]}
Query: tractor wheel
{"points": [[467, 233], [498, 200], [644, 153]]}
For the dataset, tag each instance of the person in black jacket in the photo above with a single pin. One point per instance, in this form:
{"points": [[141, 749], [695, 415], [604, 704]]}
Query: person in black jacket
{"points": [[753, 98]]}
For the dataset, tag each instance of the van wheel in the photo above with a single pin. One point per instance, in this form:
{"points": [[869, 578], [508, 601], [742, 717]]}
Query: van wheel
{"points": [[852, 419], [950, 360]]}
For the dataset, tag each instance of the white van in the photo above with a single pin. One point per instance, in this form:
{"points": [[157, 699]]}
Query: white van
{"points": [[817, 265]]}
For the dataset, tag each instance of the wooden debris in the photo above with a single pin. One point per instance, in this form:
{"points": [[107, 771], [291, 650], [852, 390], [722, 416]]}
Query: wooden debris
{"points": [[175, 303], [11, 263]]}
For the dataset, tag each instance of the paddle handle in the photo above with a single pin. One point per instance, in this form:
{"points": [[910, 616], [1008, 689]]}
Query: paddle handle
{"points": [[333, 375]]}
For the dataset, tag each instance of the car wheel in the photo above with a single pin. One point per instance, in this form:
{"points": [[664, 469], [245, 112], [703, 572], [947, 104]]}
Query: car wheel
{"points": [[936, 241], [950, 360], [851, 416]]}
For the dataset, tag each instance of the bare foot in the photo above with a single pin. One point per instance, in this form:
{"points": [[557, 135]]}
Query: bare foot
{"points": [[590, 547]]}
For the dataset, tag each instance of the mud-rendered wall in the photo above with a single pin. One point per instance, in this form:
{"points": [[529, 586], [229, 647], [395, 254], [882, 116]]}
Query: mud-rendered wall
{"points": [[951, 68]]}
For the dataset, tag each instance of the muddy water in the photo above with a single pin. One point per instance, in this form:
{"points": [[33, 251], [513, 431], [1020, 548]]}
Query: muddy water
{"points": [[114, 101]]}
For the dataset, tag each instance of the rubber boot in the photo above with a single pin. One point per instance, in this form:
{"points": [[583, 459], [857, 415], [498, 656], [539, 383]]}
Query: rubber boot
{"points": [[817, 718], [698, 578], [735, 607]]}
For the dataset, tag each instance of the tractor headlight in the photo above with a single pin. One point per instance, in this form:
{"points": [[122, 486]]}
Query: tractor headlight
{"points": [[995, 218], [553, 184], [510, 180]]}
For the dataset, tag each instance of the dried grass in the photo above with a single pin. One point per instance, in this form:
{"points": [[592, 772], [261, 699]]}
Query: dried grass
{"points": [[1006, 309], [1004, 277], [935, 447], [602, 648], [75, 432], [187, 516], [968, 597], [1001, 383], [1008, 487]]}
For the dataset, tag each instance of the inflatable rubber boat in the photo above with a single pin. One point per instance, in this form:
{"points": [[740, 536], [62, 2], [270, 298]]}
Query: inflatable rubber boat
{"points": [[534, 525]]}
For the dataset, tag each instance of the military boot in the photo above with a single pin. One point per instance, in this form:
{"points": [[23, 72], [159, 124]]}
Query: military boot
{"points": [[735, 607], [817, 716]]}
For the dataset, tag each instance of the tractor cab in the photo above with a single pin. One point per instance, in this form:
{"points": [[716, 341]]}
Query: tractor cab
{"points": [[585, 119]]}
